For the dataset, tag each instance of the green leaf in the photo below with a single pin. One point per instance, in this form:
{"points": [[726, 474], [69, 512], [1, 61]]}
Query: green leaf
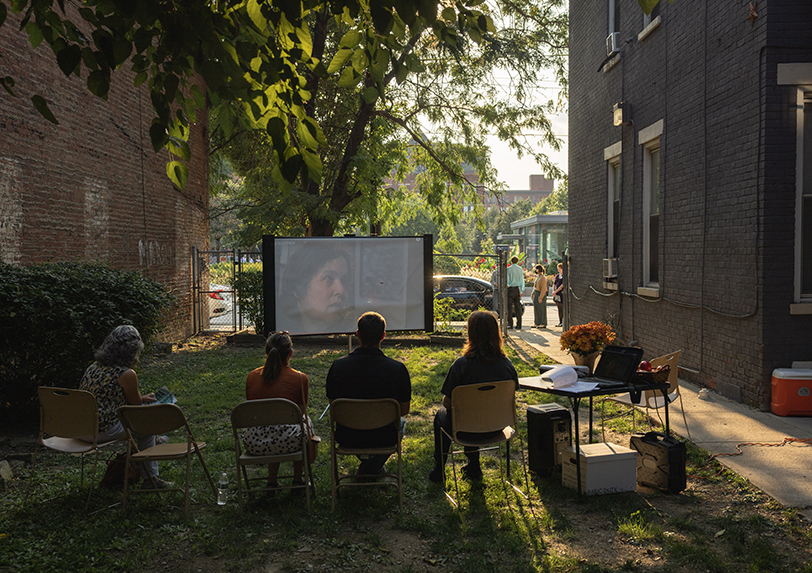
{"points": [[199, 96], [370, 94], [179, 147], [3, 13], [360, 60], [121, 50], [339, 60], [648, 5], [350, 39], [8, 83], [255, 13], [178, 173], [276, 129], [314, 166], [349, 77], [98, 83], [402, 73], [42, 107], [68, 59], [449, 14], [305, 136], [35, 36], [475, 35], [158, 136], [140, 78]]}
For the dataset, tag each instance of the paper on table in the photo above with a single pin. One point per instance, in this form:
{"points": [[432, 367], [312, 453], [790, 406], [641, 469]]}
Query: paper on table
{"points": [[561, 376], [579, 387]]}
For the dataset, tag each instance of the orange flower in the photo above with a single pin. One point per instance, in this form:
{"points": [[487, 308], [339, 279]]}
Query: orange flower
{"points": [[587, 338]]}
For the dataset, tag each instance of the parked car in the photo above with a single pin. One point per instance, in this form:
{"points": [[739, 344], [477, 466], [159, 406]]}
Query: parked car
{"points": [[219, 300], [467, 292]]}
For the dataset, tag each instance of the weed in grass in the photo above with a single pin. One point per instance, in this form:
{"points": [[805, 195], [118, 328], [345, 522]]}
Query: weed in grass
{"points": [[638, 527]]}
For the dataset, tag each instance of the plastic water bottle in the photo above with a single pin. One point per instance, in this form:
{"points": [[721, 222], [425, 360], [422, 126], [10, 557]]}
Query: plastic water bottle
{"points": [[222, 489]]}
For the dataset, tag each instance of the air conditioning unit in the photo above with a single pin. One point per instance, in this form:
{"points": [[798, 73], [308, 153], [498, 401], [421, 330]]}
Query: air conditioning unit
{"points": [[612, 43], [609, 268]]}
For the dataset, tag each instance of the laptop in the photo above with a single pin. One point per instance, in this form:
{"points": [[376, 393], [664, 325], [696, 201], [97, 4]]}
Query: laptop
{"points": [[616, 367]]}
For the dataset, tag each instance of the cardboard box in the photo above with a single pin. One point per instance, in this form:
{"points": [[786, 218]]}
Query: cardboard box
{"points": [[791, 392], [605, 468]]}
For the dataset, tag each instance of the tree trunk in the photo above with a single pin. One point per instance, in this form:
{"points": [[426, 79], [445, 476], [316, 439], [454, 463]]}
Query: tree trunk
{"points": [[319, 228]]}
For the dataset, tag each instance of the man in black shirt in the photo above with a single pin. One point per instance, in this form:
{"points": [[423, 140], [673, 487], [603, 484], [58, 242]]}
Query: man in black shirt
{"points": [[367, 374]]}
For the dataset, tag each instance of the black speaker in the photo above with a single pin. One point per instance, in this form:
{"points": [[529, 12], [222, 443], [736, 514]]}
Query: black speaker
{"points": [[549, 436], [660, 461]]}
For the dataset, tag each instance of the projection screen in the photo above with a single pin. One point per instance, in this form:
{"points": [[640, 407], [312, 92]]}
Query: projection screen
{"points": [[321, 285]]}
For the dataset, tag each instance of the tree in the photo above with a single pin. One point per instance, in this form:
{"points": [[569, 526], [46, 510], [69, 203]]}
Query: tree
{"points": [[257, 58], [424, 107]]}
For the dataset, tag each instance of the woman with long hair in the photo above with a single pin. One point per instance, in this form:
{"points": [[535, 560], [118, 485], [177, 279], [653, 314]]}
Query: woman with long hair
{"points": [[112, 380], [276, 379], [540, 298], [483, 360]]}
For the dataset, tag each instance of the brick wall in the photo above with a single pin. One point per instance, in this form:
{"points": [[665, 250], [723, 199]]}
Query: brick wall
{"points": [[727, 184], [91, 188]]}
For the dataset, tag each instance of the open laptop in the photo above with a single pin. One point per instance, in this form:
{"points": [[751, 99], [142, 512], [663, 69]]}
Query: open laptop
{"points": [[616, 367]]}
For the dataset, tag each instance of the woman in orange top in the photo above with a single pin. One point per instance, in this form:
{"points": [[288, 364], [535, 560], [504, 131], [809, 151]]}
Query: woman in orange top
{"points": [[277, 380]]}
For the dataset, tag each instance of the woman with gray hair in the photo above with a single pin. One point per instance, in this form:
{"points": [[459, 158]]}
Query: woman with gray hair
{"points": [[112, 380]]}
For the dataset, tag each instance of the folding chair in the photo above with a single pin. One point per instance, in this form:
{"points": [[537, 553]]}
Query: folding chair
{"points": [[67, 415], [268, 412], [159, 419], [653, 399], [483, 416], [364, 415]]}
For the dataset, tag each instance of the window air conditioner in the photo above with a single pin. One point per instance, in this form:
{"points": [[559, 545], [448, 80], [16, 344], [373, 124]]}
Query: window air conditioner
{"points": [[612, 43], [609, 268]]}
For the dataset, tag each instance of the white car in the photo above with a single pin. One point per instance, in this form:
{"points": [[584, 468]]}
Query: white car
{"points": [[219, 300]]}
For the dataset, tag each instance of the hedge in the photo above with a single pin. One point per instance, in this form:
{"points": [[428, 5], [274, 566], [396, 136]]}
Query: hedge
{"points": [[52, 319]]}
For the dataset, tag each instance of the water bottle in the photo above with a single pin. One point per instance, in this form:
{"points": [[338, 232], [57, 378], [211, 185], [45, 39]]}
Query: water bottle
{"points": [[222, 489]]}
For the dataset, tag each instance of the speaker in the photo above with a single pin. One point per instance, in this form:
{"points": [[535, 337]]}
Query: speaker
{"points": [[549, 437], [660, 461]]}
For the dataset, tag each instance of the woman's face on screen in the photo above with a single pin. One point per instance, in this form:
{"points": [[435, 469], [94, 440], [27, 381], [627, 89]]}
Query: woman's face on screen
{"points": [[325, 295]]}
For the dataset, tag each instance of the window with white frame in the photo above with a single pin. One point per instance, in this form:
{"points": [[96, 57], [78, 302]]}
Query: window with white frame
{"points": [[804, 197], [649, 138], [611, 155]]}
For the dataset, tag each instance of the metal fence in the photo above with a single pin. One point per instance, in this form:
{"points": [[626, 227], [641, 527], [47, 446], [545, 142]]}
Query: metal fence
{"points": [[216, 303]]}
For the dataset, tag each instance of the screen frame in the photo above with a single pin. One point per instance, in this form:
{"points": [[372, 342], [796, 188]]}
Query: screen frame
{"points": [[269, 279]]}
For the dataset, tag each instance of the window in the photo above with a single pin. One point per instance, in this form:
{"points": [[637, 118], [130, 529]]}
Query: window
{"points": [[649, 138], [804, 192], [614, 209], [611, 155]]}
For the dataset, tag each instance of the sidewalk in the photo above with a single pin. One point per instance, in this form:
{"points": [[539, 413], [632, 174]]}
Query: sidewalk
{"points": [[718, 425]]}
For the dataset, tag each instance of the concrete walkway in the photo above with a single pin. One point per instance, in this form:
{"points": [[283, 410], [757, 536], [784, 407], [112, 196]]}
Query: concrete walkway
{"points": [[718, 425]]}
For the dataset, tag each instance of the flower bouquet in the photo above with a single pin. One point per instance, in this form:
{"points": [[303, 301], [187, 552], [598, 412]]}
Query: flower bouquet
{"points": [[586, 339]]}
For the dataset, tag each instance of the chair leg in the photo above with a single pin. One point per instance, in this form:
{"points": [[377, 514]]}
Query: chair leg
{"points": [[206, 469], [333, 476], [308, 475], [31, 479], [186, 488]]}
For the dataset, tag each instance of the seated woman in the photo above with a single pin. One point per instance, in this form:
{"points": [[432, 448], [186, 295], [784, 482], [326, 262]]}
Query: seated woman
{"points": [[112, 380], [483, 360], [277, 380]]}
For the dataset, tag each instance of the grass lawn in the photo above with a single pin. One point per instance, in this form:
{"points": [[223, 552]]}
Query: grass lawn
{"points": [[719, 523]]}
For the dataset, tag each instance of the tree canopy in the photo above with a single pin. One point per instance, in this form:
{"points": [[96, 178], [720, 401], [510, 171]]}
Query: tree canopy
{"points": [[430, 117]]}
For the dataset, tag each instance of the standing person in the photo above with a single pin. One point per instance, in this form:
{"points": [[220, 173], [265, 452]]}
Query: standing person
{"points": [[558, 293], [112, 380], [368, 374], [515, 284], [497, 294], [483, 360], [276, 379], [540, 298]]}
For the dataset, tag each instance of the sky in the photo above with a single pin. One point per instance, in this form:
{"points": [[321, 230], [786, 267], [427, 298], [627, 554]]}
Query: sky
{"points": [[516, 172]]}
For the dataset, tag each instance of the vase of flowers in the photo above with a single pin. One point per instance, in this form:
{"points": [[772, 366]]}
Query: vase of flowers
{"points": [[585, 342]]}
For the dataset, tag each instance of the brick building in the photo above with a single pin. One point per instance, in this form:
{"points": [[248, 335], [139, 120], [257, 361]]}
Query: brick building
{"points": [[698, 189], [91, 188]]}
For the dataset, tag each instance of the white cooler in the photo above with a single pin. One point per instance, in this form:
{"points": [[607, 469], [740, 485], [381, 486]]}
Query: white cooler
{"points": [[605, 468]]}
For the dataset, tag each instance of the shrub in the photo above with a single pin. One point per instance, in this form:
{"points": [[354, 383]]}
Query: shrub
{"points": [[248, 285], [445, 265], [54, 316]]}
